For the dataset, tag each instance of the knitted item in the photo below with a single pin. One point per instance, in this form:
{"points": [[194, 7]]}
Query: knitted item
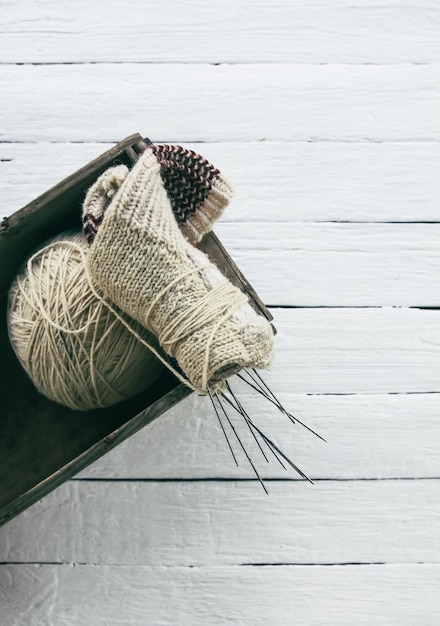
{"points": [[99, 197], [197, 191], [140, 261]]}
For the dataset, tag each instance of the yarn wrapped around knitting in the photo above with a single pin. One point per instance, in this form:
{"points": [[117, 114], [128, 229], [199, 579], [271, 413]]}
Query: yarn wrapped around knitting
{"points": [[77, 350], [140, 260]]}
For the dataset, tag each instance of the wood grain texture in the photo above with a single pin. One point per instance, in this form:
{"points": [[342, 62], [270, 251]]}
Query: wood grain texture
{"points": [[229, 523], [183, 103], [64, 595], [275, 181], [368, 436], [356, 350], [394, 31], [338, 264]]}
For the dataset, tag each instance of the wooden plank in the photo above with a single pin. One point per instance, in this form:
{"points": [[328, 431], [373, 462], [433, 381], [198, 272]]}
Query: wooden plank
{"points": [[321, 31], [103, 596], [277, 181], [338, 264], [356, 351], [368, 436], [229, 523], [286, 237], [254, 102]]}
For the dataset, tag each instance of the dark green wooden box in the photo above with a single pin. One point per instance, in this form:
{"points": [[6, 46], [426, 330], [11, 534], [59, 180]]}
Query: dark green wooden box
{"points": [[42, 443]]}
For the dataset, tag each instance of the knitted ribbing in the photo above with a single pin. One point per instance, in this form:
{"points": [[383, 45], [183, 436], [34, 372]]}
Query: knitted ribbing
{"points": [[141, 261], [197, 191]]}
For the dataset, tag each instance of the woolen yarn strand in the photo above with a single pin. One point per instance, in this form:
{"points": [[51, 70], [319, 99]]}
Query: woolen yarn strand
{"points": [[71, 344], [141, 261]]}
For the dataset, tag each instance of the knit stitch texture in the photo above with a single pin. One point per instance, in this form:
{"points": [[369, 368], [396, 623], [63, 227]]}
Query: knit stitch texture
{"points": [[140, 260], [197, 191]]}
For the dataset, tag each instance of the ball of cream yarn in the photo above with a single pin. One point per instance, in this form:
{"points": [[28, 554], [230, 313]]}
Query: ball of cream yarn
{"points": [[74, 348]]}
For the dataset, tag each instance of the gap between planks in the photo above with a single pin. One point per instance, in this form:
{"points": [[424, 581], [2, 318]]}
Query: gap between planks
{"points": [[201, 567], [215, 63], [111, 142], [225, 479]]}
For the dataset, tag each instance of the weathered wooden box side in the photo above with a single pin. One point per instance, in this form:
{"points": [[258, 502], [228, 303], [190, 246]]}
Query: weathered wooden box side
{"points": [[42, 443]]}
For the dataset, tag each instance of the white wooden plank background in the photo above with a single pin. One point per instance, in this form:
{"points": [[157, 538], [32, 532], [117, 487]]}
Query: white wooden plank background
{"points": [[322, 31], [196, 523], [324, 116], [200, 102], [68, 595]]}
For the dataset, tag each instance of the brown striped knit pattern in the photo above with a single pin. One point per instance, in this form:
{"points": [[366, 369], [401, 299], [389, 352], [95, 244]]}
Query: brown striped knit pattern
{"points": [[197, 191]]}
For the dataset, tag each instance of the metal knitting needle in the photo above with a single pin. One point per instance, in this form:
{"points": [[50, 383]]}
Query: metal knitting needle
{"points": [[281, 407], [258, 389], [223, 429], [269, 395], [245, 417], [240, 442], [271, 443], [228, 400], [264, 394], [240, 409], [295, 467], [274, 400]]}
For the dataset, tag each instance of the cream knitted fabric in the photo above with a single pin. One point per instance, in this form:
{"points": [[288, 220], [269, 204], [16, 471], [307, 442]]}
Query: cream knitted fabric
{"points": [[99, 197], [197, 191], [140, 261]]}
